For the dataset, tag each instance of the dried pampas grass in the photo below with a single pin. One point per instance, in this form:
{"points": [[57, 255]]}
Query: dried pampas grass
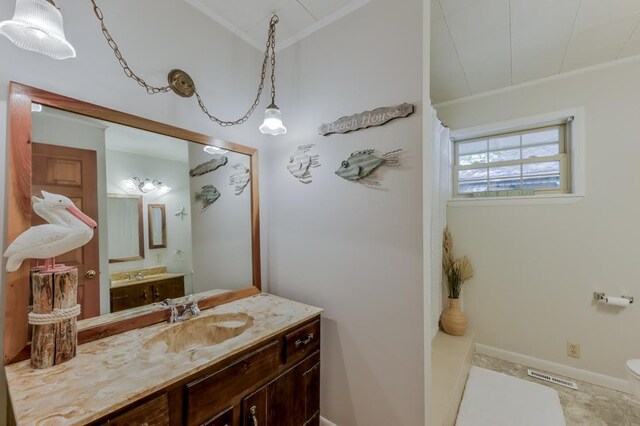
{"points": [[457, 270]]}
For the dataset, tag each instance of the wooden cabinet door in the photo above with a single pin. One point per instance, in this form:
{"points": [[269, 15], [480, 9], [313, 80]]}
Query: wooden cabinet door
{"points": [[311, 380], [130, 297], [254, 408], [168, 289], [72, 172], [293, 399]]}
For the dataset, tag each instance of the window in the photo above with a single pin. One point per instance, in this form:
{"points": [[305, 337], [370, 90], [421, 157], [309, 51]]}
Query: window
{"points": [[525, 162]]}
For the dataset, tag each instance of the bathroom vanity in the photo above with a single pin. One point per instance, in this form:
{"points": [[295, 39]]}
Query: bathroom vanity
{"points": [[255, 361], [136, 288], [238, 357]]}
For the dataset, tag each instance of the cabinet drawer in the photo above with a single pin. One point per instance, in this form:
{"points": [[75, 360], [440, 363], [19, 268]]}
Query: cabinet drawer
{"points": [[301, 342], [152, 413], [207, 396]]}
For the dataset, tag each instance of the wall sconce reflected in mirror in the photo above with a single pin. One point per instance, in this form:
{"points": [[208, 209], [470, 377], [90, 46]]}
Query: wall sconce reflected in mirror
{"points": [[214, 150], [136, 185]]}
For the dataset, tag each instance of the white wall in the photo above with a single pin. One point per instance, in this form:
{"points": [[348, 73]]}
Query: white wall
{"points": [[224, 67], [536, 266], [123, 165], [353, 250], [222, 256]]}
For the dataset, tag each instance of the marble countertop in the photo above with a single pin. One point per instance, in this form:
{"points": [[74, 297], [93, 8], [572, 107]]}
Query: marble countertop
{"points": [[110, 373]]}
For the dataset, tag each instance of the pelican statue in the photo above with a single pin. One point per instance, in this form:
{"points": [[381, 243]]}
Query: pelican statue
{"points": [[68, 229]]}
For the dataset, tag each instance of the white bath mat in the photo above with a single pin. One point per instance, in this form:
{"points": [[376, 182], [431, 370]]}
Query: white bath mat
{"points": [[495, 399]]}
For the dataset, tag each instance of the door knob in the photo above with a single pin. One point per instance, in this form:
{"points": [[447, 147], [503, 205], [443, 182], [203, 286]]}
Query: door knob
{"points": [[90, 274]]}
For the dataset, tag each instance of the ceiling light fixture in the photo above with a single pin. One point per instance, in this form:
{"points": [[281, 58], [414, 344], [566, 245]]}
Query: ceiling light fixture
{"points": [[137, 185], [182, 84], [37, 26]]}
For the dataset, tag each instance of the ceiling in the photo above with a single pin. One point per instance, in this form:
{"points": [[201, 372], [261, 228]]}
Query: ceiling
{"points": [[249, 19], [483, 45]]}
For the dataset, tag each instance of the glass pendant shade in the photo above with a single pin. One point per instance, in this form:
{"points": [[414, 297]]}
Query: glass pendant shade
{"points": [[37, 26], [272, 124], [129, 185], [164, 189], [147, 186]]}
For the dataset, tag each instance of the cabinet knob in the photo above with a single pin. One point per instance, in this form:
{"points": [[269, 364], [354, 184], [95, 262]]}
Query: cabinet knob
{"points": [[90, 274]]}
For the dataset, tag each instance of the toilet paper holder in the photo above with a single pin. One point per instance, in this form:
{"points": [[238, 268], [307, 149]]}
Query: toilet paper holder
{"points": [[600, 296]]}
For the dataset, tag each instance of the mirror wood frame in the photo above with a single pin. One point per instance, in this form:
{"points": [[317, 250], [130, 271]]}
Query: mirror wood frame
{"points": [[163, 226], [16, 342], [140, 255]]}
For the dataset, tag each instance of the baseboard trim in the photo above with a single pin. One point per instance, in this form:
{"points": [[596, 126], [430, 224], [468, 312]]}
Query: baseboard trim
{"points": [[553, 367], [325, 422]]}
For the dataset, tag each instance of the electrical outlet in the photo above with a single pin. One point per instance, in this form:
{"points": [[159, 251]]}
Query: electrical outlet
{"points": [[573, 350]]}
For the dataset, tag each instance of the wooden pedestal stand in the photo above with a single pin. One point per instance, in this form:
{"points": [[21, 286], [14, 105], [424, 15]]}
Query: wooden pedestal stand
{"points": [[55, 308]]}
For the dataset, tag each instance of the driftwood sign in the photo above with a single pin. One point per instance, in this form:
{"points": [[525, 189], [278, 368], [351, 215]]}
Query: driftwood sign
{"points": [[377, 117]]}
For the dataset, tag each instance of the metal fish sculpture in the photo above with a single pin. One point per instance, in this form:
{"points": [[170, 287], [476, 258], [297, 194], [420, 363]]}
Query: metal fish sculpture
{"points": [[207, 196], [359, 166], [301, 163], [209, 166], [239, 179]]}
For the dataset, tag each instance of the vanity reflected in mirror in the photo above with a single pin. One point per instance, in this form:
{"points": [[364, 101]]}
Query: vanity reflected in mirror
{"points": [[198, 235]]}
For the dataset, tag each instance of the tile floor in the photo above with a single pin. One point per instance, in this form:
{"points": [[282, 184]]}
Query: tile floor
{"points": [[590, 405]]}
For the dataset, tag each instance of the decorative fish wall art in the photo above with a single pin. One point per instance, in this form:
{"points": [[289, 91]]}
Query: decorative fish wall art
{"points": [[301, 163], [207, 196], [359, 166], [209, 166], [240, 179]]}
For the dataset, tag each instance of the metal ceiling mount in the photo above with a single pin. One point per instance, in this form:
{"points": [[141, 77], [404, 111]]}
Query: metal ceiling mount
{"points": [[181, 83]]}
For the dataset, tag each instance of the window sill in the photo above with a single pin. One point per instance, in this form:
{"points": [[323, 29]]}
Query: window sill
{"points": [[516, 201]]}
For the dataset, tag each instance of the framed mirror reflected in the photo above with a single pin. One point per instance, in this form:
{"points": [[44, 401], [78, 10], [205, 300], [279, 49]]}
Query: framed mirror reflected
{"points": [[157, 226], [198, 238]]}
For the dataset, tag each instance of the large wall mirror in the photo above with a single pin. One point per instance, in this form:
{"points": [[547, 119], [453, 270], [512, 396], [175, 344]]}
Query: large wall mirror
{"points": [[177, 212]]}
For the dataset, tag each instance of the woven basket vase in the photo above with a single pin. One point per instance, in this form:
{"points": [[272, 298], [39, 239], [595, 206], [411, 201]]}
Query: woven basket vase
{"points": [[452, 319]]}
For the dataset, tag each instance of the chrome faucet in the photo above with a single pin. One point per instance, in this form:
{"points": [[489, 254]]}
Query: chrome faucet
{"points": [[190, 310]]}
